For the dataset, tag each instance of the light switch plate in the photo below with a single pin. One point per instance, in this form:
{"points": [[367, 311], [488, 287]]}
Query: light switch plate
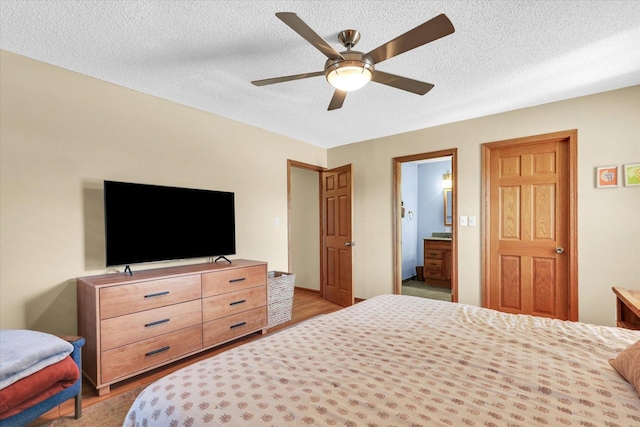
{"points": [[463, 221], [472, 221]]}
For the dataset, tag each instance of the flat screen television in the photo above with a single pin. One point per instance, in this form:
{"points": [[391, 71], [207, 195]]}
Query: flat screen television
{"points": [[147, 223]]}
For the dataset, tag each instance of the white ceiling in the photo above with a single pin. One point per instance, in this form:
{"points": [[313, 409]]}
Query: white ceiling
{"points": [[503, 55]]}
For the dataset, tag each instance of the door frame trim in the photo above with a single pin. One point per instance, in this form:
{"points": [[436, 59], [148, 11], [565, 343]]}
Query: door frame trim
{"points": [[319, 170], [571, 137], [397, 225]]}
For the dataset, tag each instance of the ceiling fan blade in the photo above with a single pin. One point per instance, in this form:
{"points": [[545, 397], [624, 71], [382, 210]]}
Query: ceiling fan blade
{"points": [[399, 82], [298, 25], [286, 78], [337, 100], [431, 30]]}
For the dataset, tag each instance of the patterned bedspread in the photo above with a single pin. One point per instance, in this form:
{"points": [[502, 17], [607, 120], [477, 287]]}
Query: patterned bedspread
{"points": [[398, 360]]}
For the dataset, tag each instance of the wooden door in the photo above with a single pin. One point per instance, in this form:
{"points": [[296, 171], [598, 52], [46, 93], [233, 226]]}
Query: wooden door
{"points": [[337, 245], [530, 234]]}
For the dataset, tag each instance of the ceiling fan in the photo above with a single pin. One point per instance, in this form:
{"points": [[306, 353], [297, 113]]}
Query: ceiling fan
{"points": [[350, 70]]}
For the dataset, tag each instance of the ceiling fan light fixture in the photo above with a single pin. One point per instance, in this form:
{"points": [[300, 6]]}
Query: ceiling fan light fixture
{"points": [[349, 75], [350, 70]]}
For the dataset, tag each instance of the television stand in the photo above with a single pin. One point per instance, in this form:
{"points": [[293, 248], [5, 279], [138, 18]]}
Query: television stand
{"points": [[125, 319], [222, 257], [128, 268]]}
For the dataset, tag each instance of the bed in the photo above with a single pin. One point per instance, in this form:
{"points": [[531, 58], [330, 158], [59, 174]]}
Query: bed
{"points": [[38, 371], [403, 360]]}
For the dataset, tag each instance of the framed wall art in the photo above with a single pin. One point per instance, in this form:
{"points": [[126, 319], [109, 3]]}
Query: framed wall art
{"points": [[632, 175], [607, 177]]}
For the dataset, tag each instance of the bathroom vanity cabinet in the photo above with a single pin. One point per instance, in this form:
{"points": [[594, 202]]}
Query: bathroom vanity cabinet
{"points": [[437, 261]]}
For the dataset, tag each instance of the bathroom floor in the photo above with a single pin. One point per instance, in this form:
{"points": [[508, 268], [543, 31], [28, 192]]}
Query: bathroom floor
{"points": [[420, 289]]}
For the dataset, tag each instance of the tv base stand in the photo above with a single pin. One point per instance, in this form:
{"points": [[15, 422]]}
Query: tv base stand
{"points": [[222, 257]]}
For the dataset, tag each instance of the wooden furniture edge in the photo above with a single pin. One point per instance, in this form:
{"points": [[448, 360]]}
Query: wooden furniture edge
{"points": [[627, 303]]}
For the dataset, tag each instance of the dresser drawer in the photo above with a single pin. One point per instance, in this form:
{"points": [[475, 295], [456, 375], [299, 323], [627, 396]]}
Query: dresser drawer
{"points": [[226, 328], [233, 302], [433, 274], [127, 299], [431, 254], [433, 264], [131, 358], [122, 330], [220, 282]]}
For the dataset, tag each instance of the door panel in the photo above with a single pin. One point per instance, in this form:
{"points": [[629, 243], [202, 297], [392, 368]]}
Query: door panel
{"points": [[337, 262], [510, 296], [544, 286], [528, 214]]}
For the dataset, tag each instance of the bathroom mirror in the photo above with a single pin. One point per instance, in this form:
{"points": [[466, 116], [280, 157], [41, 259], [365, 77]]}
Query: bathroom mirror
{"points": [[448, 214]]}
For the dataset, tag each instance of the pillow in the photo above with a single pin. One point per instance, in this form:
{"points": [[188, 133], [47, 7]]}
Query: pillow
{"points": [[627, 364]]}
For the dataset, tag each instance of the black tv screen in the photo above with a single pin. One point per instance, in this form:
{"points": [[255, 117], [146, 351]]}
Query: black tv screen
{"points": [[146, 223]]}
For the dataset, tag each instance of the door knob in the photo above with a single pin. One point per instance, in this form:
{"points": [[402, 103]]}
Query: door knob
{"points": [[559, 250], [349, 243]]}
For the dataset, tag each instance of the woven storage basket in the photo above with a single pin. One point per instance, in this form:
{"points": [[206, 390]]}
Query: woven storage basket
{"points": [[279, 297]]}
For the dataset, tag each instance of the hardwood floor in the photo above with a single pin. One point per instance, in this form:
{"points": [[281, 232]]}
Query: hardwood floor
{"points": [[306, 304]]}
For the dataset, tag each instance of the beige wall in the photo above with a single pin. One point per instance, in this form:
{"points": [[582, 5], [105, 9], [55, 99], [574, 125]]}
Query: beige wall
{"points": [[63, 133], [608, 226], [304, 245]]}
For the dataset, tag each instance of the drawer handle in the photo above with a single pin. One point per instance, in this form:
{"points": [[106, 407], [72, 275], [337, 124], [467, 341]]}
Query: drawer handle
{"points": [[238, 302], [237, 325], [157, 322], [237, 280], [434, 254], [157, 294], [160, 350]]}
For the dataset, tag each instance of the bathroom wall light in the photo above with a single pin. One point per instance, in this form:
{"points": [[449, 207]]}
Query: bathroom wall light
{"points": [[447, 180]]}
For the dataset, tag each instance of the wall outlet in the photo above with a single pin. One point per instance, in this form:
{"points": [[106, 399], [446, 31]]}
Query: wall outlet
{"points": [[277, 222], [463, 221], [472, 221]]}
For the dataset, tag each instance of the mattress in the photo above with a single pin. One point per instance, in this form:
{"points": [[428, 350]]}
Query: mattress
{"points": [[402, 360]]}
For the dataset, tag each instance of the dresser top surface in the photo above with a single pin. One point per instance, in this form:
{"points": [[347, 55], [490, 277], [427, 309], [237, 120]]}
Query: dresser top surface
{"points": [[165, 272], [630, 298]]}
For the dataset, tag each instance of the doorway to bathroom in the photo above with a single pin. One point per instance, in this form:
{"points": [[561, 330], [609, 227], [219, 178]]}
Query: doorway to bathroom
{"points": [[424, 227]]}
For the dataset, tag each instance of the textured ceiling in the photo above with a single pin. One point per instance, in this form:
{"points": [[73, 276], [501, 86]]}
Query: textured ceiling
{"points": [[503, 55]]}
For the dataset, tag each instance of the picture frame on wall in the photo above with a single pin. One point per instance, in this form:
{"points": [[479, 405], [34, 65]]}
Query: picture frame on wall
{"points": [[607, 176], [632, 175]]}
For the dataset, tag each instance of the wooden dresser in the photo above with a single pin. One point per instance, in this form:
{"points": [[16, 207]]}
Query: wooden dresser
{"points": [[627, 308], [133, 324], [437, 262]]}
